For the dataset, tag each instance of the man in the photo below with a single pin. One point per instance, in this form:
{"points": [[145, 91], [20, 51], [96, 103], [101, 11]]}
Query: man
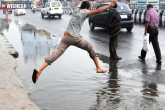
{"points": [[72, 37], [151, 27], [114, 29]]}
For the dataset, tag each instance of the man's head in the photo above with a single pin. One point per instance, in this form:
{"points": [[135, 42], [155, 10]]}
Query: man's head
{"points": [[149, 6], [85, 5]]}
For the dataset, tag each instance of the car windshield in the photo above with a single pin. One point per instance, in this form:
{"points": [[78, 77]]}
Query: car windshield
{"points": [[123, 8], [55, 4]]}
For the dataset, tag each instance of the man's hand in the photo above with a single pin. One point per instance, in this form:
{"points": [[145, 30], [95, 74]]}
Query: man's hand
{"points": [[113, 2], [145, 32], [146, 27]]}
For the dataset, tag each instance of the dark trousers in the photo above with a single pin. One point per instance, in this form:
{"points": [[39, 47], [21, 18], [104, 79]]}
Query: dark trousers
{"points": [[153, 38], [113, 43]]}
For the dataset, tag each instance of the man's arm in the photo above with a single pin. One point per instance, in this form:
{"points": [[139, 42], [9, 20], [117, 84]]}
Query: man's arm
{"points": [[148, 17], [146, 27], [102, 9]]}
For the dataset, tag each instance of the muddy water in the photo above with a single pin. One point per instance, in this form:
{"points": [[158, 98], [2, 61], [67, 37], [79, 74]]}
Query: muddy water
{"points": [[71, 82]]}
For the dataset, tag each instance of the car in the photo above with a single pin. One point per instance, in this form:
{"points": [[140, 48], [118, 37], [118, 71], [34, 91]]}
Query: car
{"points": [[51, 9], [9, 10], [19, 12], [100, 20]]}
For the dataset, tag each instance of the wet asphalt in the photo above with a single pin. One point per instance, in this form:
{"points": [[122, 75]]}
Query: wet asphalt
{"points": [[71, 83]]}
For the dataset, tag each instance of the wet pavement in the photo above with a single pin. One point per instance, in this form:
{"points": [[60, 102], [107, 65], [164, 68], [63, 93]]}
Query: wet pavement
{"points": [[71, 83]]}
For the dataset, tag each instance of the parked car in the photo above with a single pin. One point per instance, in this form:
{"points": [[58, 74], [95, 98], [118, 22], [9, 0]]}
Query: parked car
{"points": [[19, 12], [100, 20], [9, 10], [51, 9]]}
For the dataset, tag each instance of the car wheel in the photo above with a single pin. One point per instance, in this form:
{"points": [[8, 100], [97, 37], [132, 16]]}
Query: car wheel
{"points": [[42, 15], [129, 29], [49, 16], [91, 25], [59, 16]]}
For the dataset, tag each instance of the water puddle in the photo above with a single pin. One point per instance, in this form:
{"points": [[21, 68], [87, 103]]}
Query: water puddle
{"points": [[69, 84]]}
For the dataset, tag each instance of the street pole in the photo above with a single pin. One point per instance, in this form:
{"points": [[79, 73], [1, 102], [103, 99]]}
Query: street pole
{"points": [[6, 14]]}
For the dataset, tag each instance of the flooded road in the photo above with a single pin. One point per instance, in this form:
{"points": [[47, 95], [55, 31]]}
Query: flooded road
{"points": [[71, 83]]}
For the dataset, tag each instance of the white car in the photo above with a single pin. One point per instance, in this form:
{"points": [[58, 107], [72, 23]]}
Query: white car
{"points": [[51, 9], [19, 12]]}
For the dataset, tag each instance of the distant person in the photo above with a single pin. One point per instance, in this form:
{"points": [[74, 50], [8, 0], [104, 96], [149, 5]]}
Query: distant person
{"points": [[114, 29], [151, 27], [72, 37]]}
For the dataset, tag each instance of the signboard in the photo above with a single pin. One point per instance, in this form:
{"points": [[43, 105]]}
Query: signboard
{"points": [[162, 6], [14, 4], [141, 6]]}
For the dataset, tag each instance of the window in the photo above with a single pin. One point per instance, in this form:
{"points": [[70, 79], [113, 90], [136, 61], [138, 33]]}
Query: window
{"points": [[123, 8], [55, 4], [46, 4], [102, 6]]}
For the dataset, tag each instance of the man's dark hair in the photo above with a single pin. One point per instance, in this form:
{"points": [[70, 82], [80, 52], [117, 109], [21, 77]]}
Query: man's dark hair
{"points": [[115, 6], [149, 6], [85, 4]]}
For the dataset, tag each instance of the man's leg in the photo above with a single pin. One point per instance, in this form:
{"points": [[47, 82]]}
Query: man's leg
{"points": [[155, 44], [83, 44], [115, 44], [111, 46], [54, 56], [143, 52]]}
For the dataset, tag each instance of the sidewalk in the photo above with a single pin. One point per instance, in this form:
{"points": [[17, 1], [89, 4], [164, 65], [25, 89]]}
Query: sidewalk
{"points": [[13, 95]]}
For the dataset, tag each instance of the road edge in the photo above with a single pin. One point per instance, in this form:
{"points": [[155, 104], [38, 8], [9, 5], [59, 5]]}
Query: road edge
{"points": [[13, 94]]}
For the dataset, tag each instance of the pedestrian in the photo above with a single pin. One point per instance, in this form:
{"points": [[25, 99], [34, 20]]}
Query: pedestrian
{"points": [[72, 37], [114, 29], [151, 27]]}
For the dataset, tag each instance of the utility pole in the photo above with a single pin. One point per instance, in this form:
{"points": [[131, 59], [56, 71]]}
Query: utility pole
{"points": [[6, 13]]}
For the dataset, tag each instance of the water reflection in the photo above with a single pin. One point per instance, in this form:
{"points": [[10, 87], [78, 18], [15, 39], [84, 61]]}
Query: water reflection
{"points": [[149, 84], [116, 96], [117, 90], [150, 90], [37, 43], [108, 97], [4, 24]]}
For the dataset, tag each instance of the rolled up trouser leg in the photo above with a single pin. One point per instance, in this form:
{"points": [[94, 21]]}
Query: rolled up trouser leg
{"points": [[58, 51], [85, 45]]}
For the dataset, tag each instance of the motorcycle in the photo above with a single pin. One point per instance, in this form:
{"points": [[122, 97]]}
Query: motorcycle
{"points": [[33, 9]]}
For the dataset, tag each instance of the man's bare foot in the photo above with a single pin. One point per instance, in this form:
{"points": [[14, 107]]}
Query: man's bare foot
{"points": [[101, 70], [38, 74]]}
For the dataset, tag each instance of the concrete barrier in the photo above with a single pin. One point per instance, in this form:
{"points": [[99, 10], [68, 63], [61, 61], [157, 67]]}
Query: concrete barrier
{"points": [[140, 15], [137, 13], [163, 18], [11, 49]]}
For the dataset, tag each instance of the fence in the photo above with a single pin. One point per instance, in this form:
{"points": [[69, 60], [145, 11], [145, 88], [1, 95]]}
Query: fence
{"points": [[139, 16]]}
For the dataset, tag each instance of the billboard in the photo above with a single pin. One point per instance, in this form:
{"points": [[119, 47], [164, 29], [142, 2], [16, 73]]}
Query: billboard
{"points": [[14, 4]]}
